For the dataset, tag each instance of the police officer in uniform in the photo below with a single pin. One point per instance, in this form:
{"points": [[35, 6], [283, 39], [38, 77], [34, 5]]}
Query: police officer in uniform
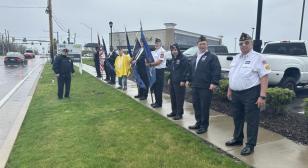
{"points": [[63, 68], [177, 79], [204, 78], [97, 63], [248, 82], [160, 65]]}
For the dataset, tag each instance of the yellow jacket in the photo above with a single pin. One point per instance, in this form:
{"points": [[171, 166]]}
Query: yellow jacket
{"points": [[122, 65]]}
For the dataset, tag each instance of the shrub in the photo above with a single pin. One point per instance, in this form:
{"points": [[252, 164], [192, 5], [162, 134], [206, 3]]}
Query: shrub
{"points": [[278, 98], [222, 88]]}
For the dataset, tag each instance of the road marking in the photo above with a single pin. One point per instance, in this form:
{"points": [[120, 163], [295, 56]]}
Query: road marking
{"points": [[7, 96]]}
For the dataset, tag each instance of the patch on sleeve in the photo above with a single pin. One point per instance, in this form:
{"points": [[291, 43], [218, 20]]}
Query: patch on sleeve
{"points": [[267, 67], [264, 62]]}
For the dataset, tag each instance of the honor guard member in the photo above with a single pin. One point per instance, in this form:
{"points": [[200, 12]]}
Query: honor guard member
{"points": [[248, 82], [97, 63], [204, 78], [111, 59], [177, 79], [63, 68], [141, 68], [160, 65]]}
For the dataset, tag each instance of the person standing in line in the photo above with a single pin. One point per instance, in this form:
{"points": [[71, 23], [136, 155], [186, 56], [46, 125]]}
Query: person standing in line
{"points": [[122, 68], [248, 82], [204, 78], [176, 81]]}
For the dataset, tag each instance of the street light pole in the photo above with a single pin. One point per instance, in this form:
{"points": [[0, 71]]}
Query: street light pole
{"points": [[110, 25], [303, 12], [257, 42]]}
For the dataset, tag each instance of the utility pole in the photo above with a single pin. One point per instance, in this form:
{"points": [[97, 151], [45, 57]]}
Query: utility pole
{"points": [[68, 36], [75, 38], [49, 12], [2, 39], [303, 13], [57, 37]]}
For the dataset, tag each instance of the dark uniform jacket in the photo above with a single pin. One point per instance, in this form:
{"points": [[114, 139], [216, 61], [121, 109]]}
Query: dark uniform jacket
{"points": [[207, 72], [112, 58], [63, 65], [179, 69]]}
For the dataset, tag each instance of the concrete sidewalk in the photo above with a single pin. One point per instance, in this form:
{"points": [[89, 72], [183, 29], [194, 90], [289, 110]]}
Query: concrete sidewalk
{"points": [[272, 150]]}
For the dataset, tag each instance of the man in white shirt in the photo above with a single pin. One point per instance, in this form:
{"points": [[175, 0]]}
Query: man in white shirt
{"points": [[160, 65], [248, 82]]}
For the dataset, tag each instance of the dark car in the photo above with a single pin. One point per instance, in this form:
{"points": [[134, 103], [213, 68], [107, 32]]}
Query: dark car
{"points": [[14, 58], [29, 54]]}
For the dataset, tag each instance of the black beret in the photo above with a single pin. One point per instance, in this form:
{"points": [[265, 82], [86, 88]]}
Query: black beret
{"points": [[202, 38], [245, 37], [157, 40]]}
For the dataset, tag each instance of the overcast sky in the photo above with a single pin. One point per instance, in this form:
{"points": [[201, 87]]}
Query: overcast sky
{"points": [[281, 18]]}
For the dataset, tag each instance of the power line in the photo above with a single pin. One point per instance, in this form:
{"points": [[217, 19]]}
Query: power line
{"points": [[23, 7]]}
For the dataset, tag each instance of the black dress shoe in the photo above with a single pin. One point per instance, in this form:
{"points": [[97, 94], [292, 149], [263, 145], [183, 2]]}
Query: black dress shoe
{"points": [[171, 114], [142, 98], [201, 131], [234, 142], [98, 76], [194, 126], [177, 117], [106, 80], [247, 150], [153, 104], [137, 96], [156, 106]]}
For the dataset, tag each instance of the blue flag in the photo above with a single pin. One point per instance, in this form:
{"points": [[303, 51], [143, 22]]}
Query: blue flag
{"points": [[128, 45], [151, 72], [136, 49], [109, 66]]}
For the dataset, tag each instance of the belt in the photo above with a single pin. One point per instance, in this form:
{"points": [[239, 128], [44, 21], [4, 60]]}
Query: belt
{"points": [[247, 90]]}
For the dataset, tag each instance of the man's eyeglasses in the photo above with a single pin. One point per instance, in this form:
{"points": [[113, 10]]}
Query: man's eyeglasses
{"points": [[244, 43]]}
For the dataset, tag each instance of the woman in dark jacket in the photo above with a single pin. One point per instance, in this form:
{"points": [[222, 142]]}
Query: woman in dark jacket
{"points": [[178, 75]]}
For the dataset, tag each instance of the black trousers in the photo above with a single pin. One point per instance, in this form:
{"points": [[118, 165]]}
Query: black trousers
{"points": [[244, 108], [159, 86], [177, 94], [143, 92], [98, 69], [106, 70], [202, 98], [64, 80]]}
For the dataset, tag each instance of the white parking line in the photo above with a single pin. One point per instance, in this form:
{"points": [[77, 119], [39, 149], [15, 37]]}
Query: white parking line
{"points": [[7, 96]]}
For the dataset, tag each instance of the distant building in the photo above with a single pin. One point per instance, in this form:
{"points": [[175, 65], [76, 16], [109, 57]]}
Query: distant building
{"points": [[169, 35]]}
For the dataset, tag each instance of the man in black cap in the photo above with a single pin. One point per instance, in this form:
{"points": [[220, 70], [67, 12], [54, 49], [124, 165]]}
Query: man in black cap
{"points": [[248, 82], [63, 68], [204, 78], [160, 65]]}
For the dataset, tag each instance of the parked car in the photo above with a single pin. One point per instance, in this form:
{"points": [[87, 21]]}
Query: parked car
{"points": [[216, 49], [14, 58], [288, 61], [29, 54]]}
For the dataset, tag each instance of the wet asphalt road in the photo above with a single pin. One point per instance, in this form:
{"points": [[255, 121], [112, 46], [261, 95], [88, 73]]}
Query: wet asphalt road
{"points": [[10, 76]]}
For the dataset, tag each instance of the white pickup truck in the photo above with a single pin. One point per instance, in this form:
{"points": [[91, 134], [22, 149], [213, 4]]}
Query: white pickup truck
{"points": [[288, 61]]}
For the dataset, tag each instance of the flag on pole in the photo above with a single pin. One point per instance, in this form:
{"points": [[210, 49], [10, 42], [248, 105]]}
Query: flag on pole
{"points": [[128, 44]]}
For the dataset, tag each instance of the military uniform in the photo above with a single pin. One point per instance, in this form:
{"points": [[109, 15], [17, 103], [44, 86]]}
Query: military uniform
{"points": [[97, 65], [246, 70], [158, 86], [63, 67]]}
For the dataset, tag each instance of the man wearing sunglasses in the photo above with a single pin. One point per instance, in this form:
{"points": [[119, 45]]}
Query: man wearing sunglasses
{"points": [[248, 82]]}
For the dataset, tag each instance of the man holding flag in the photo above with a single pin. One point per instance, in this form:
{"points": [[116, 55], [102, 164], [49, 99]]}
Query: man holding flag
{"points": [[160, 65]]}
